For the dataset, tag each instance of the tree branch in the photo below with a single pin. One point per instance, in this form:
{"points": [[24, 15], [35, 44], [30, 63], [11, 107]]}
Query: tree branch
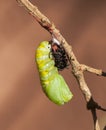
{"points": [[77, 68]]}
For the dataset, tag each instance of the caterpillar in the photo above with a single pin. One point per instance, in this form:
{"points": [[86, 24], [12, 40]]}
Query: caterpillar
{"points": [[53, 84]]}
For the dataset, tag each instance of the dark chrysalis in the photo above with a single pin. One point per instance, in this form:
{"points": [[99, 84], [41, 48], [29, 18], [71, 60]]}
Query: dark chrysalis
{"points": [[59, 54]]}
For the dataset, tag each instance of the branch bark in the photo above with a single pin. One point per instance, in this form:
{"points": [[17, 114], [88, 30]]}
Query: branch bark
{"points": [[77, 68]]}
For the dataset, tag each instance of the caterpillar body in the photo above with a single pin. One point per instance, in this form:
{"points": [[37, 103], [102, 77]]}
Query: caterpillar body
{"points": [[53, 84]]}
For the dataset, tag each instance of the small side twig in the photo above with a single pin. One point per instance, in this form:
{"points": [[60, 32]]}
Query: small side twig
{"points": [[93, 106], [93, 70], [77, 68]]}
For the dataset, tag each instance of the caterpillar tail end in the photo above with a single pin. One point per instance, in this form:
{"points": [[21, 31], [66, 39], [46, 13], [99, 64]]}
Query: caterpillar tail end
{"points": [[58, 91]]}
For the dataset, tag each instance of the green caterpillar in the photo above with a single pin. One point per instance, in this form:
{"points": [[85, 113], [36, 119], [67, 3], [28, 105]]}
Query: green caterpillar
{"points": [[53, 84]]}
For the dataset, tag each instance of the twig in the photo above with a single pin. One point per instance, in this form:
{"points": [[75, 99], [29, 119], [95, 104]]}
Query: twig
{"points": [[93, 106], [77, 68]]}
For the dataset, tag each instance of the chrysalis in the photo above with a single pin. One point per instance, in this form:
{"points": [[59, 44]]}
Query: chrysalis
{"points": [[59, 55], [53, 84]]}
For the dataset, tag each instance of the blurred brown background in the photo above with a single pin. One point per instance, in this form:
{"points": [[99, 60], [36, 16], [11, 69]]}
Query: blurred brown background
{"points": [[23, 105]]}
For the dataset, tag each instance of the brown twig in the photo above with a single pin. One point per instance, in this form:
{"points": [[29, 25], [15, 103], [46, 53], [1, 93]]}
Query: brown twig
{"points": [[77, 68]]}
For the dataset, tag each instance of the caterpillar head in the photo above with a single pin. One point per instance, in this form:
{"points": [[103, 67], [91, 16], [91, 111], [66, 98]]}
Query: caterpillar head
{"points": [[46, 45]]}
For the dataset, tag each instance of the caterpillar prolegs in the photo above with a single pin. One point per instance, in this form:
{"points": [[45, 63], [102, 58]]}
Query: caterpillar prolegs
{"points": [[53, 84]]}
